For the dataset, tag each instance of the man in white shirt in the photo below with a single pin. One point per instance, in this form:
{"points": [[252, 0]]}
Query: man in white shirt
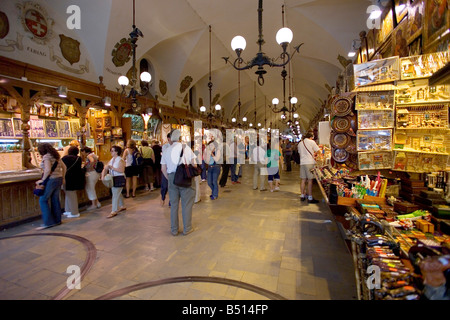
{"points": [[307, 149], [171, 158], [258, 159]]}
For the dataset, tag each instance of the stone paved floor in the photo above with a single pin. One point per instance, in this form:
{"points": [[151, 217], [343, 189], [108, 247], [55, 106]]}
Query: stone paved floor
{"points": [[271, 241]]}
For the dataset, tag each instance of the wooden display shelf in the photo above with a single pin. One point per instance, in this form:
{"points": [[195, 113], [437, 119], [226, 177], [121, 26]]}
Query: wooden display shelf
{"points": [[351, 202]]}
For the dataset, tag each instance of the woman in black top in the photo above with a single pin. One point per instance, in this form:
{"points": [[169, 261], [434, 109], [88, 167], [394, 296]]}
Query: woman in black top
{"points": [[75, 180]]}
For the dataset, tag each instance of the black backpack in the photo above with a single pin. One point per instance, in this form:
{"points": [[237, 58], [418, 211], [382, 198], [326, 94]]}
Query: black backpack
{"points": [[137, 158], [99, 166]]}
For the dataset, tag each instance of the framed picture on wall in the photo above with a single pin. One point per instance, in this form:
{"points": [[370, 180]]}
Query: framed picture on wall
{"points": [[436, 20], [37, 128], [415, 47], [51, 129], [64, 129], [416, 13], [99, 138], [98, 123], [401, 9], [400, 46], [6, 128], [370, 43], [17, 122], [107, 122]]}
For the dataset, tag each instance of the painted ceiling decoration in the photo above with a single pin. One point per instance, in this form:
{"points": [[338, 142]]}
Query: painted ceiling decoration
{"points": [[176, 41]]}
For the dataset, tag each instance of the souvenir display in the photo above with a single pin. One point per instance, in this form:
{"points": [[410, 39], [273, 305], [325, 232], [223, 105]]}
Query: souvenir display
{"points": [[375, 160], [6, 128], [375, 119], [418, 91], [37, 128], [340, 140], [419, 162], [342, 107], [377, 71], [425, 141], [374, 140], [422, 116], [423, 66], [376, 100], [340, 155]]}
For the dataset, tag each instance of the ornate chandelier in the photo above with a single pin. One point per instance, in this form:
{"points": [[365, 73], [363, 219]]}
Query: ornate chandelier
{"points": [[284, 36], [145, 76]]}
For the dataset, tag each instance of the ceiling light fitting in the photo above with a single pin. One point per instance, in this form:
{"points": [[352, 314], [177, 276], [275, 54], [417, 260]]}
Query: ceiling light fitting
{"points": [[145, 76], [62, 91], [212, 114], [284, 36]]}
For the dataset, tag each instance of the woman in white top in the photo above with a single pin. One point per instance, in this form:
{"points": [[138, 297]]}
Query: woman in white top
{"points": [[115, 167]]}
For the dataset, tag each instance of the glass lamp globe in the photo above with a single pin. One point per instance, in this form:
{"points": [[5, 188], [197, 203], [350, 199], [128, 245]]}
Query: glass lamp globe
{"points": [[284, 35], [233, 120], [202, 108], [275, 101], [123, 81], [295, 115], [244, 119], [218, 107], [259, 124], [146, 77], [294, 100], [238, 43]]}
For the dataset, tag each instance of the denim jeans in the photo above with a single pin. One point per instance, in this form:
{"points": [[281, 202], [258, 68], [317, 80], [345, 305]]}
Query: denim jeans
{"points": [[187, 196], [117, 199], [50, 202], [164, 187], [213, 179], [234, 176], [203, 166]]}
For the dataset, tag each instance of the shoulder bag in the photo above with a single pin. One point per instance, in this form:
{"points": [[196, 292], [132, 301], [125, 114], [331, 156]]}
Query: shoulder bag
{"points": [[118, 181], [185, 173], [40, 189]]}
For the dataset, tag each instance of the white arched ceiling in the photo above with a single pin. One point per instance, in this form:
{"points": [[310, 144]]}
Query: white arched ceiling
{"points": [[176, 42]]}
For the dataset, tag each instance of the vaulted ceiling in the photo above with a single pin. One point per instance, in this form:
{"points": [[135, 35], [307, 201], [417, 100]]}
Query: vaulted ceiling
{"points": [[176, 43]]}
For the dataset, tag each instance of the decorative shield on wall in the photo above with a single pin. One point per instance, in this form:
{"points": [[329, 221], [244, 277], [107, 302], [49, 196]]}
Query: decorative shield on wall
{"points": [[4, 25], [70, 49]]}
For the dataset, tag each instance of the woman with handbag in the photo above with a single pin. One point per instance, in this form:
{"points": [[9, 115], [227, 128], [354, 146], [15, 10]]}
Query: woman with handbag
{"points": [[116, 168], [147, 167], [54, 171], [74, 181]]}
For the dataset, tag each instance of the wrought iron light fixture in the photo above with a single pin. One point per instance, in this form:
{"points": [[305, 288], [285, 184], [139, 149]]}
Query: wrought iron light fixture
{"points": [[145, 76], [284, 37], [212, 113]]}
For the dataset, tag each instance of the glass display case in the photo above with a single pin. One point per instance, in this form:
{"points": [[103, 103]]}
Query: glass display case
{"points": [[377, 71], [418, 91], [375, 119], [419, 162], [429, 116], [375, 100], [375, 160], [374, 140], [423, 66]]}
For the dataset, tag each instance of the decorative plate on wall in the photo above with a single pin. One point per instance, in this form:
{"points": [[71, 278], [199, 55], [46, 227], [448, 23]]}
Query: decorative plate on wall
{"points": [[341, 125], [342, 107], [339, 140], [340, 155]]}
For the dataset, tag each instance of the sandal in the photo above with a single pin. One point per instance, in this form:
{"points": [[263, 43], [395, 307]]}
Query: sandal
{"points": [[112, 214], [122, 209]]}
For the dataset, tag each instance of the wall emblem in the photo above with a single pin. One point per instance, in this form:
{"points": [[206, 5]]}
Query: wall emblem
{"points": [[185, 83], [162, 87], [4, 25], [70, 49], [122, 52], [36, 21]]}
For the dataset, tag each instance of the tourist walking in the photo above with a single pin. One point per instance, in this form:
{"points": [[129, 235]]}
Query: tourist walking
{"points": [[54, 169], [307, 149], [213, 156], [157, 150], [74, 181], [116, 168], [177, 153], [287, 154], [92, 176], [148, 165], [258, 157], [273, 169], [164, 182]]}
